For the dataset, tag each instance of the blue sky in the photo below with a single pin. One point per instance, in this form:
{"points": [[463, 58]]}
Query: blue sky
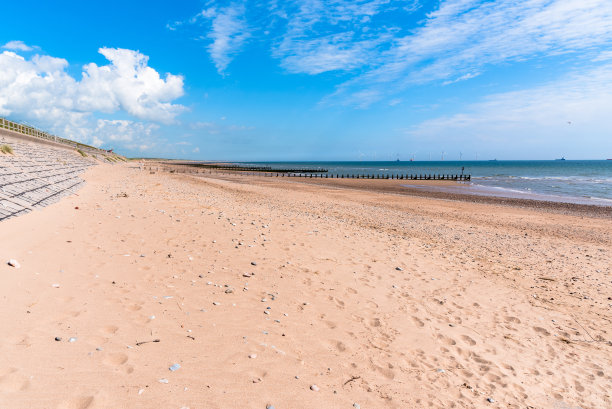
{"points": [[315, 80]]}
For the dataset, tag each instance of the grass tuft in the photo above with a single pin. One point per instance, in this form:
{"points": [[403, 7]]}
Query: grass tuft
{"points": [[6, 149], [83, 154]]}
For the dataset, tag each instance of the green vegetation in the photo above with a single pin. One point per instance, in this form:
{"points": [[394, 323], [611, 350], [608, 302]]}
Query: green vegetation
{"points": [[6, 149], [83, 154]]}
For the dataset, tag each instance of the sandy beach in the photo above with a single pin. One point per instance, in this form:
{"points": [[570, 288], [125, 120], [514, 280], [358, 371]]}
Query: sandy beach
{"points": [[159, 290]]}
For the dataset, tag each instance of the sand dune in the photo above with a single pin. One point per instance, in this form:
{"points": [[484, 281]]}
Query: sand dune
{"points": [[260, 289]]}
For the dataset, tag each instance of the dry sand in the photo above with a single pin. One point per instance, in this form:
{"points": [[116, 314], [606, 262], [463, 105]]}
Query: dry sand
{"points": [[381, 300]]}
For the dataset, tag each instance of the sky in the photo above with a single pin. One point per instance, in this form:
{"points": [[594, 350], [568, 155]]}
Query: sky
{"points": [[314, 79]]}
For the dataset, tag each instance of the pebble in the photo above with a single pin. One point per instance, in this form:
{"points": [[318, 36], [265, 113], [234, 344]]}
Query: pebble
{"points": [[163, 381], [440, 371], [270, 407], [490, 400], [215, 303], [267, 312], [253, 356], [356, 406], [175, 367], [229, 291], [58, 339], [314, 388], [14, 263], [72, 339], [253, 263], [55, 285], [399, 269]]}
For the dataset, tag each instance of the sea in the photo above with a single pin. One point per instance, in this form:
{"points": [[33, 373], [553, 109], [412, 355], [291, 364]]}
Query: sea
{"points": [[571, 181]]}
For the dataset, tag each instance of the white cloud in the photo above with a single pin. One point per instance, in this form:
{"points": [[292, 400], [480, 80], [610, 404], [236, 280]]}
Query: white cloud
{"points": [[229, 31], [128, 83], [329, 53], [18, 46], [123, 130], [603, 56], [40, 90], [323, 36], [573, 110], [463, 37], [380, 41]]}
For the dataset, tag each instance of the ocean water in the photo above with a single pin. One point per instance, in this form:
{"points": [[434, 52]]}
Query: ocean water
{"points": [[574, 181]]}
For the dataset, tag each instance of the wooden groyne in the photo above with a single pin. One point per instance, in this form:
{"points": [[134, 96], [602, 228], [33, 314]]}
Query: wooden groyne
{"points": [[246, 168], [374, 176], [309, 173]]}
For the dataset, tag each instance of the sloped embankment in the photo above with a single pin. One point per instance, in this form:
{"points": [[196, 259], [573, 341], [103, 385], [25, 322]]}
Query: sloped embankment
{"points": [[34, 175]]}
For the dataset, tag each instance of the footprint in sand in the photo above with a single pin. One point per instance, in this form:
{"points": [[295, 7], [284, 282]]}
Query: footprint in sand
{"points": [[418, 322], [96, 340], [371, 304], [330, 324], [339, 303], [386, 372], [468, 340], [110, 329], [541, 330], [257, 375], [115, 359], [76, 403], [134, 307], [13, 381], [446, 340]]}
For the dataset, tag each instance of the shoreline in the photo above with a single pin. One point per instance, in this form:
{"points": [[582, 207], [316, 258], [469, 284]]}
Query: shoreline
{"points": [[439, 189], [428, 189], [555, 182]]}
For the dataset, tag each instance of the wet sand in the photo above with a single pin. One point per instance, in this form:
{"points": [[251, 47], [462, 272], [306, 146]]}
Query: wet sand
{"points": [[380, 299]]}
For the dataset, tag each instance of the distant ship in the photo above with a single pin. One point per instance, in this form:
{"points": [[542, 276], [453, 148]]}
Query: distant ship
{"points": [[562, 158]]}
